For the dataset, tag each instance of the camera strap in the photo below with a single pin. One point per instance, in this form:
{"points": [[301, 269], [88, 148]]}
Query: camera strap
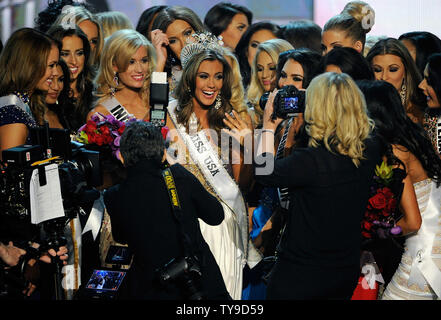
{"points": [[176, 206]]}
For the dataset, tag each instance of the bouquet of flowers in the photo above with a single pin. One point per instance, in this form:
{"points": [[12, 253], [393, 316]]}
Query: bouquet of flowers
{"points": [[105, 132], [379, 218]]}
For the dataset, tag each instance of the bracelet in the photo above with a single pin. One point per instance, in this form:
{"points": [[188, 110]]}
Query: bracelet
{"points": [[268, 130]]}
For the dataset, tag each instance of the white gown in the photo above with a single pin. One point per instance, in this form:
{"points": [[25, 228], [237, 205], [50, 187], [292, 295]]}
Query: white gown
{"points": [[229, 241], [418, 276]]}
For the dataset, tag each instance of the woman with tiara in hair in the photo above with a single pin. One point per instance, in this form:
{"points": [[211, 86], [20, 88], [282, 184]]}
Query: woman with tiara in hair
{"points": [[349, 28], [197, 122]]}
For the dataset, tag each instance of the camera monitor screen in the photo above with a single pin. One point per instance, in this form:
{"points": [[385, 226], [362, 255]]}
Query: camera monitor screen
{"points": [[119, 255], [291, 104], [105, 280]]}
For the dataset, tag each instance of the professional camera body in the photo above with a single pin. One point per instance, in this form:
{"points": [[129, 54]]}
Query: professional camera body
{"points": [[186, 272], [79, 172], [288, 102]]}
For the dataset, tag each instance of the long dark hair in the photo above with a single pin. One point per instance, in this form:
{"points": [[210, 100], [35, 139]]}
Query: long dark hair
{"points": [[394, 127], [219, 16], [425, 43], [307, 58], [166, 17], [350, 61], [146, 18], [186, 88], [65, 109], [242, 47], [302, 34], [434, 73], [84, 83], [413, 78]]}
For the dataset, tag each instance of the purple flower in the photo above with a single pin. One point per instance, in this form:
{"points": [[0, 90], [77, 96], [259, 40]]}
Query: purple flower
{"points": [[116, 141]]}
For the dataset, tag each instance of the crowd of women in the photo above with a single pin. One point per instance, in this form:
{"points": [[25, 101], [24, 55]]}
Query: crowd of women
{"points": [[372, 104]]}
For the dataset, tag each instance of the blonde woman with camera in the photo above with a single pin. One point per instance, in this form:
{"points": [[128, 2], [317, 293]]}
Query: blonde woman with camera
{"points": [[329, 186]]}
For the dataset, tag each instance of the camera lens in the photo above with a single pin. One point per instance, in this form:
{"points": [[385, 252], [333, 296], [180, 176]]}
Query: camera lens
{"points": [[264, 100]]}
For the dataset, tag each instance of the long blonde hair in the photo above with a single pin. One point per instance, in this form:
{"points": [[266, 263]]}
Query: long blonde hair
{"points": [[273, 48], [118, 50], [336, 115], [237, 90]]}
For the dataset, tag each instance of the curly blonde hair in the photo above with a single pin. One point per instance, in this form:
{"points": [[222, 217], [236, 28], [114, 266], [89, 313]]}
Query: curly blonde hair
{"points": [[118, 50], [336, 116]]}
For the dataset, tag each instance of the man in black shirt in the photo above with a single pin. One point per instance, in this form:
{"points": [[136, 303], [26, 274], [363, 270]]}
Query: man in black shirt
{"points": [[141, 214]]}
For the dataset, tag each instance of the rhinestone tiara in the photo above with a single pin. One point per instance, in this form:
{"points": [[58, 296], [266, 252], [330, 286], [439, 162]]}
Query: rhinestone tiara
{"points": [[202, 41]]}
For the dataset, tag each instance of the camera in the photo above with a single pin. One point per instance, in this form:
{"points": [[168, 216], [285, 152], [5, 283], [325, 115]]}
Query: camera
{"points": [[184, 271], [288, 102], [159, 91], [78, 170]]}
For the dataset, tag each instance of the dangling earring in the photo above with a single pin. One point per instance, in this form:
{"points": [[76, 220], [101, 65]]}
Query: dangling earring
{"points": [[218, 102], [403, 93], [116, 82]]}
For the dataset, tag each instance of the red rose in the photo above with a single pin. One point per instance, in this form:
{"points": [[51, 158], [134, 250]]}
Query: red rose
{"points": [[121, 129], [366, 234], [99, 140], [379, 201], [366, 225], [386, 213], [91, 137], [105, 130], [391, 205], [387, 192], [90, 126]]}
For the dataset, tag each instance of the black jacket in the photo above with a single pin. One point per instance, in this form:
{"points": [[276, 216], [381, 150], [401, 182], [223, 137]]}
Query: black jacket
{"points": [[142, 216], [328, 195]]}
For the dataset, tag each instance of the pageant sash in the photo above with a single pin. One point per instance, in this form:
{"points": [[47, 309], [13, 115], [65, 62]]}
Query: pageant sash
{"points": [[12, 99], [95, 217], [207, 159], [424, 270], [116, 109]]}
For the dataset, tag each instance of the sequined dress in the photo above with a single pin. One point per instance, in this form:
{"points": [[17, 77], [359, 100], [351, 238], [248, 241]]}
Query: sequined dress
{"points": [[418, 276]]}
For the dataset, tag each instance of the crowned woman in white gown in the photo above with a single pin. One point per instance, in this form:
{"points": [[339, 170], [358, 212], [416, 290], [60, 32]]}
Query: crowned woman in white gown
{"points": [[195, 121]]}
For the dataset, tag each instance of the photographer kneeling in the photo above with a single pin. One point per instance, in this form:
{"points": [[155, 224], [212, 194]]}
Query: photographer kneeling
{"points": [[143, 217], [328, 183]]}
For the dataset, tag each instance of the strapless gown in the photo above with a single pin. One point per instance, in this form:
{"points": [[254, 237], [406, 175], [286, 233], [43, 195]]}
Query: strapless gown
{"points": [[418, 276]]}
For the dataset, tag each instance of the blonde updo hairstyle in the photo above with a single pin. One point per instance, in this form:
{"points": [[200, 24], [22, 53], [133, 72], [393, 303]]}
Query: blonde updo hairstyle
{"points": [[356, 19], [336, 115], [118, 50]]}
